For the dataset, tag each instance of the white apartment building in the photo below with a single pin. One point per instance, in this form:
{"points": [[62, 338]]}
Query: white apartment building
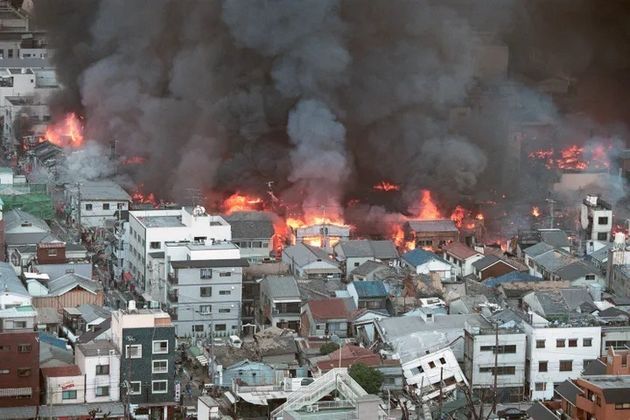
{"points": [[480, 350], [557, 353], [202, 288], [424, 373], [149, 230], [596, 218], [99, 362], [96, 203]]}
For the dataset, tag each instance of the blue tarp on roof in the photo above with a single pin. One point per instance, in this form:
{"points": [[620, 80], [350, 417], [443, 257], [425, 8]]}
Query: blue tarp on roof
{"points": [[370, 289], [420, 256], [52, 340], [511, 277]]}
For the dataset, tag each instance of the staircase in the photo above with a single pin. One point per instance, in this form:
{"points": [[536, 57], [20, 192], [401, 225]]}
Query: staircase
{"points": [[335, 379]]}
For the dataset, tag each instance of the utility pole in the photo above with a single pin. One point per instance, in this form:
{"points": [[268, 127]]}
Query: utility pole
{"points": [[441, 392], [496, 365], [551, 215], [79, 208]]}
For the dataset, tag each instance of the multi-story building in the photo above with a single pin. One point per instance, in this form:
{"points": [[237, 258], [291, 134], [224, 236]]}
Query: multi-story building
{"points": [[149, 230], [203, 286], [484, 359], [355, 252], [253, 233], [603, 397], [280, 302], [596, 218], [145, 338], [97, 203], [557, 351], [19, 357], [63, 385], [99, 362]]}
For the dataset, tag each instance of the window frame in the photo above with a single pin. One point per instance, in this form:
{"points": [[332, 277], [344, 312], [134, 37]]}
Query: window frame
{"points": [[584, 342], [154, 371], [542, 363], [69, 392], [106, 206], [101, 371], [203, 273], [96, 391], [201, 291], [130, 346], [160, 351], [570, 364], [131, 388], [24, 372], [153, 391]]}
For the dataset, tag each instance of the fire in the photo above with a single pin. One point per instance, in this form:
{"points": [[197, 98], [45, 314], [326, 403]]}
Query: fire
{"points": [[479, 216], [428, 208], [66, 133], [574, 157], [143, 198], [386, 186], [133, 160], [535, 211], [241, 202], [400, 240], [458, 215]]}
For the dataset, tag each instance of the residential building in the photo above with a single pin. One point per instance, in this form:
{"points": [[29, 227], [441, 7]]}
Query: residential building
{"points": [[462, 257], [207, 408], [425, 262], [13, 292], [55, 259], [99, 363], [96, 204], [484, 358], [203, 286], [432, 234], [369, 294], [19, 357], [326, 317], [310, 262], [63, 385], [69, 290], [492, 266], [149, 230], [22, 228], [280, 302], [145, 338], [355, 252], [83, 319], [253, 233], [322, 235], [433, 374], [558, 303], [596, 218], [603, 397], [369, 270], [32, 110]]}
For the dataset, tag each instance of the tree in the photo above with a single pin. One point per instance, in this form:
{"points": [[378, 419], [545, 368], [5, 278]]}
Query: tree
{"points": [[328, 347], [369, 378]]}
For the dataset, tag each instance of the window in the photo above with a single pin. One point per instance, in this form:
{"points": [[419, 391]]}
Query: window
{"points": [[225, 274], [225, 292], [622, 406], [566, 365], [205, 309], [587, 342], [102, 369], [205, 291], [133, 351], [542, 366], [602, 236], [24, 372], [540, 386], [10, 52], [19, 324], [589, 277], [88, 206], [602, 220], [102, 391], [24, 348], [160, 366], [356, 264], [205, 273], [4, 371], [501, 370], [69, 395], [224, 310], [159, 387], [502, 349], [442, 360], [197, 328], [256, 244], [432, 365], [201, 239], [135, 387], [220, 327], [560, 342], [573, 342], [160, 346], [52, 252], [120, 206], [154, 245], [617, 345], [5, 347], [105, 206]]}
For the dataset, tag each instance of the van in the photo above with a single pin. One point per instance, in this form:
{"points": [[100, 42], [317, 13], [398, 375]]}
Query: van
{"points": [[235, 341]]}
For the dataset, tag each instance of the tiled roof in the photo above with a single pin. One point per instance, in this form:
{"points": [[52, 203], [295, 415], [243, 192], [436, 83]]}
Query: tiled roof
{"points": [[72, 370], [444, 225], [370, 289], [281, 287], [383, 249], [336, 308], [512, 277], [460, 251], [419, 257], [250, 225]]}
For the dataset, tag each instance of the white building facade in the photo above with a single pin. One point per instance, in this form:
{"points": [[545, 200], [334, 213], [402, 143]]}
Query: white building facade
{"points": [[425, 373], [99, 362]]}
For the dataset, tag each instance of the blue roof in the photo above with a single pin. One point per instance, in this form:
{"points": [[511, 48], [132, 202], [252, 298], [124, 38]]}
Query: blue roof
{"points": [[369, 289], [52, 340], [420, 256], [511, 277]]}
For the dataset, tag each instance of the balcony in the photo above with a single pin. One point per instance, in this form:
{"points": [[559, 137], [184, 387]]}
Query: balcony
{"points": [[172, 297], [172, 279], [585, 404]]}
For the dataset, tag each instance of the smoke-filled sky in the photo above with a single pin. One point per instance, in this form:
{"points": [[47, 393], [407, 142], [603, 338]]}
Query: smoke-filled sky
{"points": [[327, 97]]}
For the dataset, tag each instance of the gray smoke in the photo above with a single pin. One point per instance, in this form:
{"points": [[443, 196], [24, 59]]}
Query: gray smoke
{"points": [[328, 97]]}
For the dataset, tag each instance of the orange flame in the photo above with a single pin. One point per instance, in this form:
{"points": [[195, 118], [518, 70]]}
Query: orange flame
{"points": [[386, 186], [535, 211], [574, 157], [142, 198], [479, 216], [458, 215], [241, 202], [428, 208], [66, 133]]}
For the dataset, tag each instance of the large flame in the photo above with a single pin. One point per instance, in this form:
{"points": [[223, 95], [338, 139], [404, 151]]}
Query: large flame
{"points": [[574, 157], [66, 133], [140, 197], [428, 209], [241, 202]]}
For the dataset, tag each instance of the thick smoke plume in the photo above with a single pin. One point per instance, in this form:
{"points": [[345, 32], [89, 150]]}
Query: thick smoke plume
{"points": [[327, 97]]}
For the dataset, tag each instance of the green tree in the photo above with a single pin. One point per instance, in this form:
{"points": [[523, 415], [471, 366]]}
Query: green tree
{"points": [[328, 347], [369, 378]]}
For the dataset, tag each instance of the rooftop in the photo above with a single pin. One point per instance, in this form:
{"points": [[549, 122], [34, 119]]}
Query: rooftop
{"points": [[281, 287], [69, 281], [161, 221], [370, 289], [443, 225], [616, 388], [368, 248], [103, 190], [251, 224], [368, 267], [219, 263], [97, 348], [460, 251], [9, 281], [538, 249], [72, 370], [335, 308], [419, 257]]}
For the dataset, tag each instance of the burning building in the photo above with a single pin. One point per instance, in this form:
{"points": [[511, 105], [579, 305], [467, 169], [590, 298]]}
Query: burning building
{"points": [[323, 235], [431, 233]]}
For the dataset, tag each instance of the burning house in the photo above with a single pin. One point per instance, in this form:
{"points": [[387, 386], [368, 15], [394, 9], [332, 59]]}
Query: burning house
{"points": [[432, 234], [323, 235]]}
